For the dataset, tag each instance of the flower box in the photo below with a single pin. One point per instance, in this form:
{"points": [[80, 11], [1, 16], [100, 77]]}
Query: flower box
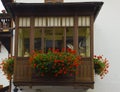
{"points": [[55, 63]]}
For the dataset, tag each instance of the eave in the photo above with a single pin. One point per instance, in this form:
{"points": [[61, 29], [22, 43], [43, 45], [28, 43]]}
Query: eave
{"points": [[42, 9]]}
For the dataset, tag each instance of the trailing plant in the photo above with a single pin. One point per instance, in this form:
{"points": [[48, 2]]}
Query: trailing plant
{"points": [[101, 65], [7, 66]]}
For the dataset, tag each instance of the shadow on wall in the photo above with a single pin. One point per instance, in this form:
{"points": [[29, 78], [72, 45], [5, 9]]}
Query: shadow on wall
{"points": [[48, 89]]}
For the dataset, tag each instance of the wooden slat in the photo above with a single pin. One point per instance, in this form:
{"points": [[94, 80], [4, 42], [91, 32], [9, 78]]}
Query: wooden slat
{"points": [[85, 72], [24, 76], [22, 71], [1, 86]]}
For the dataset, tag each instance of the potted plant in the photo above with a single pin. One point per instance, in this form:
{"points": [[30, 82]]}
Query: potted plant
{"points": [[55, 62], [7, 66], [101, 65]]}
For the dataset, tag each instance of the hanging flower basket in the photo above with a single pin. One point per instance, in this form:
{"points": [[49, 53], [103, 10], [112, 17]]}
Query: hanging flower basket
{"points": [[7, 67], [101, 65], [55, 63]]}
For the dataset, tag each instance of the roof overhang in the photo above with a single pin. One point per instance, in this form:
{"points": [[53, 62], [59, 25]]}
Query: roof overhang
{"points": [[27, 9]]}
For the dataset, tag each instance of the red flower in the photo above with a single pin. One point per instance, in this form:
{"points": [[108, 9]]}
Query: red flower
{"points": [[65, 72], [56, 75], [101, 65], [35, 65], [42, 74], [55, 62]]}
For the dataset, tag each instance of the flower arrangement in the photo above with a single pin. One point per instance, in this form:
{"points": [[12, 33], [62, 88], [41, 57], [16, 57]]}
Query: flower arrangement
{"points": [[55, 62], [101, 65], [7, 66]]}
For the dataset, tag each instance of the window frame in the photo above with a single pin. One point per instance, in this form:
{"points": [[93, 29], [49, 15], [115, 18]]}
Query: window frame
{"points": [[75, 27]]}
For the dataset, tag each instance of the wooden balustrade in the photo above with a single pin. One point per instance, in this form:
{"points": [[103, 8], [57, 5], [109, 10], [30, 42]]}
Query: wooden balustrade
{"points": [[23, 75], [22, 71]]}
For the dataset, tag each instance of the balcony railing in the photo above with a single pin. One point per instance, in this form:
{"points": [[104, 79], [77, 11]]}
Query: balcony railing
{"points": [[23, 75]]}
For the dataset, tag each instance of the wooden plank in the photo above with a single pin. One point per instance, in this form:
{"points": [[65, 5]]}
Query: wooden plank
{"points": [[22, 71], [85, 72], [24, 76], [1, 86]]}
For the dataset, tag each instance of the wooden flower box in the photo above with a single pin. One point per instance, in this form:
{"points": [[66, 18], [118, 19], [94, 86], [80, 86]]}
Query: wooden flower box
{"points": [[24, 75]]}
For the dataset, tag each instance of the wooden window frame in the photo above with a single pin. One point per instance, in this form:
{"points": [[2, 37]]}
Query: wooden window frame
{"points": [[75, 33]]}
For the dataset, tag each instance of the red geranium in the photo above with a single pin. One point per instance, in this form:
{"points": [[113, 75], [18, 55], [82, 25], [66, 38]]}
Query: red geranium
{"points": [[101, 65], [55, 62], [7, 67]]}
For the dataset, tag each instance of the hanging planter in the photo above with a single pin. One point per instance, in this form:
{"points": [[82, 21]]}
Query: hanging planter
{"points": [[7, 67], [101, 65]]}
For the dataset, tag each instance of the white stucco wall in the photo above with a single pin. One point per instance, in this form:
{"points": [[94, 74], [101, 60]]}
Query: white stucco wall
{"points": [[106, 42]]}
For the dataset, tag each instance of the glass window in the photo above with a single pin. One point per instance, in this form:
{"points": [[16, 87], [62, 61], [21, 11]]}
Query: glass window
{"points": [[84, 41], [24, 22], [69, 38], [37, 39], [83, 21], [59, 38], [48, 38], [23, 42]]}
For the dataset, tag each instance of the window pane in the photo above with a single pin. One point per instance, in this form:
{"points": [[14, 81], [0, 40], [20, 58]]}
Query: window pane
{"points": [[24, 22], [44, 21], [36, 21], [87, 21], [50, 21], [59, 38], [71, 21], [48, 38], [69, 38], [84, 41], [37, 39], [63, 21], [67, 21], [23, 42], [84, 21], [20, 22]]}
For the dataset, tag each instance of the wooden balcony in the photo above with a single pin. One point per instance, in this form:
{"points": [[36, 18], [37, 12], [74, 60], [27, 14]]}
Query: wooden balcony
{"points": [[24, 76]]}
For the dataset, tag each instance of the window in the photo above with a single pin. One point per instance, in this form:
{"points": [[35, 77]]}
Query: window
{"points": [[83, 21], [69, 38], [59, 38], [24, 22], [48, 38], [84, 42], [38, 39], [23, 42], [52, 38], [54, 32], [54, 21]]}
